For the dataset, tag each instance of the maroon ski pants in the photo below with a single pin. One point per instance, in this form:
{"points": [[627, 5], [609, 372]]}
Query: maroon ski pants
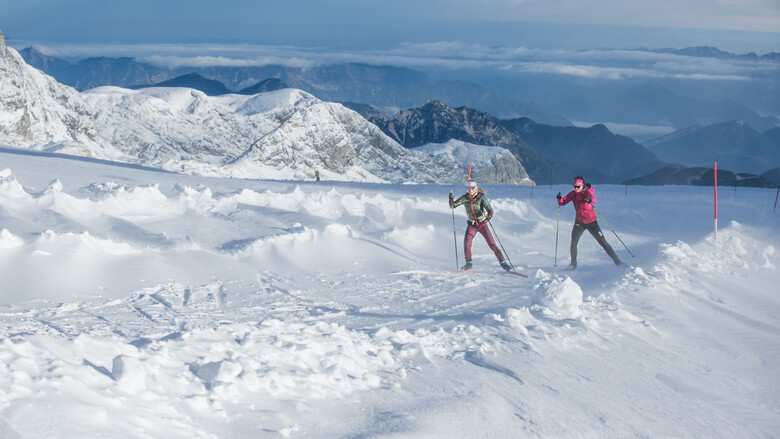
{"points": [[482, 228]]}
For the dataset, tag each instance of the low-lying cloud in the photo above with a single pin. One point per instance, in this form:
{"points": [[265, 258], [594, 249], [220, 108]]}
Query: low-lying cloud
{"points": [[454, 55]]}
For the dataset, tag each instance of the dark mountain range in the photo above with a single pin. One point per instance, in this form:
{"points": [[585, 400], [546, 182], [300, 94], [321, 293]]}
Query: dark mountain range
{"points": [[384, 87], [215, 88], [647, 103], [735, 145], [773, 136], [94, 72], [700, 176], [192, 80], [435, 122], [617, 156], [263, 86], [714, 52], [772, 175]]}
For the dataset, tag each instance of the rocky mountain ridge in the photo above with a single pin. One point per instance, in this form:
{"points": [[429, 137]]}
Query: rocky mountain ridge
{"points": [[282, 134], [543, 149]]}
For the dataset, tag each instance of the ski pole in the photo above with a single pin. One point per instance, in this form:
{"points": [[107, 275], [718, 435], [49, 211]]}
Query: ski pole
{"points": [[502, 246], [613, 231], [454, 236], [557, 221]]}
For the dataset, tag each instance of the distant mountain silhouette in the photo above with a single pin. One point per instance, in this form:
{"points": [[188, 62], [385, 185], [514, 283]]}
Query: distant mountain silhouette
{"points": [[772, 175], [367, 111], [714, 52], [700, 176], [773, 136], [95, 72], [193, 80], [647, 103], [616, 156], [735, 145], [270, 84]]}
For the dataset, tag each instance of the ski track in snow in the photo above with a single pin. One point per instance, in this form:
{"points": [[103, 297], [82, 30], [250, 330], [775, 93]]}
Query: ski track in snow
{"points": [[178, 306]]}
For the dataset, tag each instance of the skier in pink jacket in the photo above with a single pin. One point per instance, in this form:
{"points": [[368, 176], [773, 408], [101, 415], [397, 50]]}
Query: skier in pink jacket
{"points": [[583, 196]]}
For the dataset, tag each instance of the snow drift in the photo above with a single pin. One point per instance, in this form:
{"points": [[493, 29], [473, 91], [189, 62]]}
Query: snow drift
{"points": [[140, 303]]}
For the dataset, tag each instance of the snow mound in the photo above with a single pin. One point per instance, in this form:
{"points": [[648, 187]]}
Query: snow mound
{"points": [[732, 250], [9, 240], [558, 297]]}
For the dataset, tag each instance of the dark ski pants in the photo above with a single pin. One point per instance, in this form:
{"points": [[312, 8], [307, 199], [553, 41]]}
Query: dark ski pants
{"points": [[482, 228], [594, 230]]}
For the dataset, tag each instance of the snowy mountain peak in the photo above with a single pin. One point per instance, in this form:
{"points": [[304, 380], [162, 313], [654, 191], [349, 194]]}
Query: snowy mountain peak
{"points": [[280, 134], [38, 112]]}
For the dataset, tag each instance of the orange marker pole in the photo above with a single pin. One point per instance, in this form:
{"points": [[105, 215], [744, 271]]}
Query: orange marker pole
{"points": [[716, 200]]}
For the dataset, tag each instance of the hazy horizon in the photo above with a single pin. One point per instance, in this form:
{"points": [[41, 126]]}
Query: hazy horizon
{"points": [[734, 26]]}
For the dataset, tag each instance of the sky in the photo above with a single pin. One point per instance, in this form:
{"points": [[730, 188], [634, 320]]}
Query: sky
{"points": [[480, 41], [733, 25]]}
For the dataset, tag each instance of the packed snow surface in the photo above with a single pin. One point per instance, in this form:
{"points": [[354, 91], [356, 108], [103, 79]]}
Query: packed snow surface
{"points": [[141, 303]]}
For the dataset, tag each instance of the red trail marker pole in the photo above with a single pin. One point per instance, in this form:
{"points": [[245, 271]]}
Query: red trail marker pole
{"points": [[716, 200]]}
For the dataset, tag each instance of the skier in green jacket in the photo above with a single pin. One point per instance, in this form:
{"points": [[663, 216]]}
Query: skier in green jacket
{"points": [[479, 212]]}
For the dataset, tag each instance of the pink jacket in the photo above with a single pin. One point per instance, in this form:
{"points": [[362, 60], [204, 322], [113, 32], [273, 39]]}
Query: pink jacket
{"points": [[584, 211]]}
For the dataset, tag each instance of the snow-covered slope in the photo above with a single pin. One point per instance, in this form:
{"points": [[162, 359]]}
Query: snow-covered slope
{"points": [[137, 303], [38, 112], [490, 164]]}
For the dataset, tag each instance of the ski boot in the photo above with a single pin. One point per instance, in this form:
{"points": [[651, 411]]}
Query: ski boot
{"points": [[572, 266], [505, 265], [467, 266]]}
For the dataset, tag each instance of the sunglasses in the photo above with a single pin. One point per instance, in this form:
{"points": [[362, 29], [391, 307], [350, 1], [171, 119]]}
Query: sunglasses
{"points": [[577, 186]]}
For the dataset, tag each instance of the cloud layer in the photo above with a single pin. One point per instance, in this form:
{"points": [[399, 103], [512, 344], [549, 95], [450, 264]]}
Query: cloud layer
{"points": [[453, 55]]}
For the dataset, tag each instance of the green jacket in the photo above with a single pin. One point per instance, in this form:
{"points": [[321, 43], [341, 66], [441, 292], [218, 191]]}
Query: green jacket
{"points": [[477, 208]]}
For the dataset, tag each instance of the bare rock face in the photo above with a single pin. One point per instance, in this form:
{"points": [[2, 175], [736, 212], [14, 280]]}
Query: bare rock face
{"points": [[38, 112]]}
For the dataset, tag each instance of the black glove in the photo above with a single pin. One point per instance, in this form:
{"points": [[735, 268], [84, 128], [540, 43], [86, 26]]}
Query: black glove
{"points": [[451, 197], [588, 200], [587, 185], [558, 196]]}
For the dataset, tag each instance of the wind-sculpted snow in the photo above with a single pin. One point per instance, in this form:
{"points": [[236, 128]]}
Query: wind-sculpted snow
{"points": [[559, 298], [136, 303]]}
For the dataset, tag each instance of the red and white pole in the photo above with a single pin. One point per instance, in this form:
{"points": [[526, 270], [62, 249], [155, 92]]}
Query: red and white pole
{"points": [[716, 201]]}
